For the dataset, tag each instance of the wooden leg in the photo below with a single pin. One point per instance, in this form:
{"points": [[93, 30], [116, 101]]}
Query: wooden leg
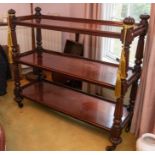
{"points": [[17, 90], [116, 130], [111, 148], [18, 97], [133, 94], [115, 138]]}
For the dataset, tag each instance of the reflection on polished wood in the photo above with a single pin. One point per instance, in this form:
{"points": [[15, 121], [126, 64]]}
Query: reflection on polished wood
{"points": [[84, 107], [68, 26], [95, 72]]}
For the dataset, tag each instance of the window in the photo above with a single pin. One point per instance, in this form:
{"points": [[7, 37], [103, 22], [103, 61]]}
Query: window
{"points": [[112, 47]]}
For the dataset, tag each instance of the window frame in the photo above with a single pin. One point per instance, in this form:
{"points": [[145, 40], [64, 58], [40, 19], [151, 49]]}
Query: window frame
{"points": [[106, 43]]}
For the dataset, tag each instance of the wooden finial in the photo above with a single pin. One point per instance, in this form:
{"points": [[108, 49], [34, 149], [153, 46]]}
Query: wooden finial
{"points": [[144, 21], [144, 17], [38, 11], [129, 21], [11, 11]]}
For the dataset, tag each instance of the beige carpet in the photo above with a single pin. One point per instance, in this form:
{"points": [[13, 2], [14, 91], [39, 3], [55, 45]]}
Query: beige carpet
{"points": [[36, 127]]}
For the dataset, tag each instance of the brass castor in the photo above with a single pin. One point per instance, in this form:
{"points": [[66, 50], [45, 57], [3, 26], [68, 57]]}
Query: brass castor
{"points": [[111, 148], [20, 105], [19, 101]]}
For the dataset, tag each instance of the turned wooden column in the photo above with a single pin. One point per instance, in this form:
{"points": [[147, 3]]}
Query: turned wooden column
{"points": [[128, 39], [15, 54], [116, 128], [39, 43], [38, 31], [140, 47], [137, 67], [32, 29]]}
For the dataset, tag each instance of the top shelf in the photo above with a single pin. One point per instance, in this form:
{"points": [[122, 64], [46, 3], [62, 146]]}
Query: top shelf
{"points": [[104, 28], [96, 29]]}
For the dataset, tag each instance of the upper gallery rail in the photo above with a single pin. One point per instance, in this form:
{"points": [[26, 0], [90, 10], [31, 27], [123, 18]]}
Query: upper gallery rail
{"points": [[27, 17], [93, 29], [75, 19], [72, 19], [3, 24], [139, 30], [21, 20], [83, 20]]}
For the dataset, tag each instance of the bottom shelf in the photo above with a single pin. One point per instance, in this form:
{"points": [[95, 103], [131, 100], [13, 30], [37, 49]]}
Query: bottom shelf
{"points": [[78, 105]]}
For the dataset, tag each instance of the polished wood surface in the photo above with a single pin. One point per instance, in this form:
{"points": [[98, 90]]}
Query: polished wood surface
{"points": [[70, 24], [83, 20], [78, 105], [99, 73], [84, 28]]}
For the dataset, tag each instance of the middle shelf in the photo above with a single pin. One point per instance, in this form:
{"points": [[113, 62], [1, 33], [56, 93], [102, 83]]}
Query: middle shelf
{"points": [[97, 72]]}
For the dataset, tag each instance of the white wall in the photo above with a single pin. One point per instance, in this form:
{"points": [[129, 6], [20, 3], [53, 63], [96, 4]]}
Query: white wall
{"points": [[62, 9], [20, 8]]}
